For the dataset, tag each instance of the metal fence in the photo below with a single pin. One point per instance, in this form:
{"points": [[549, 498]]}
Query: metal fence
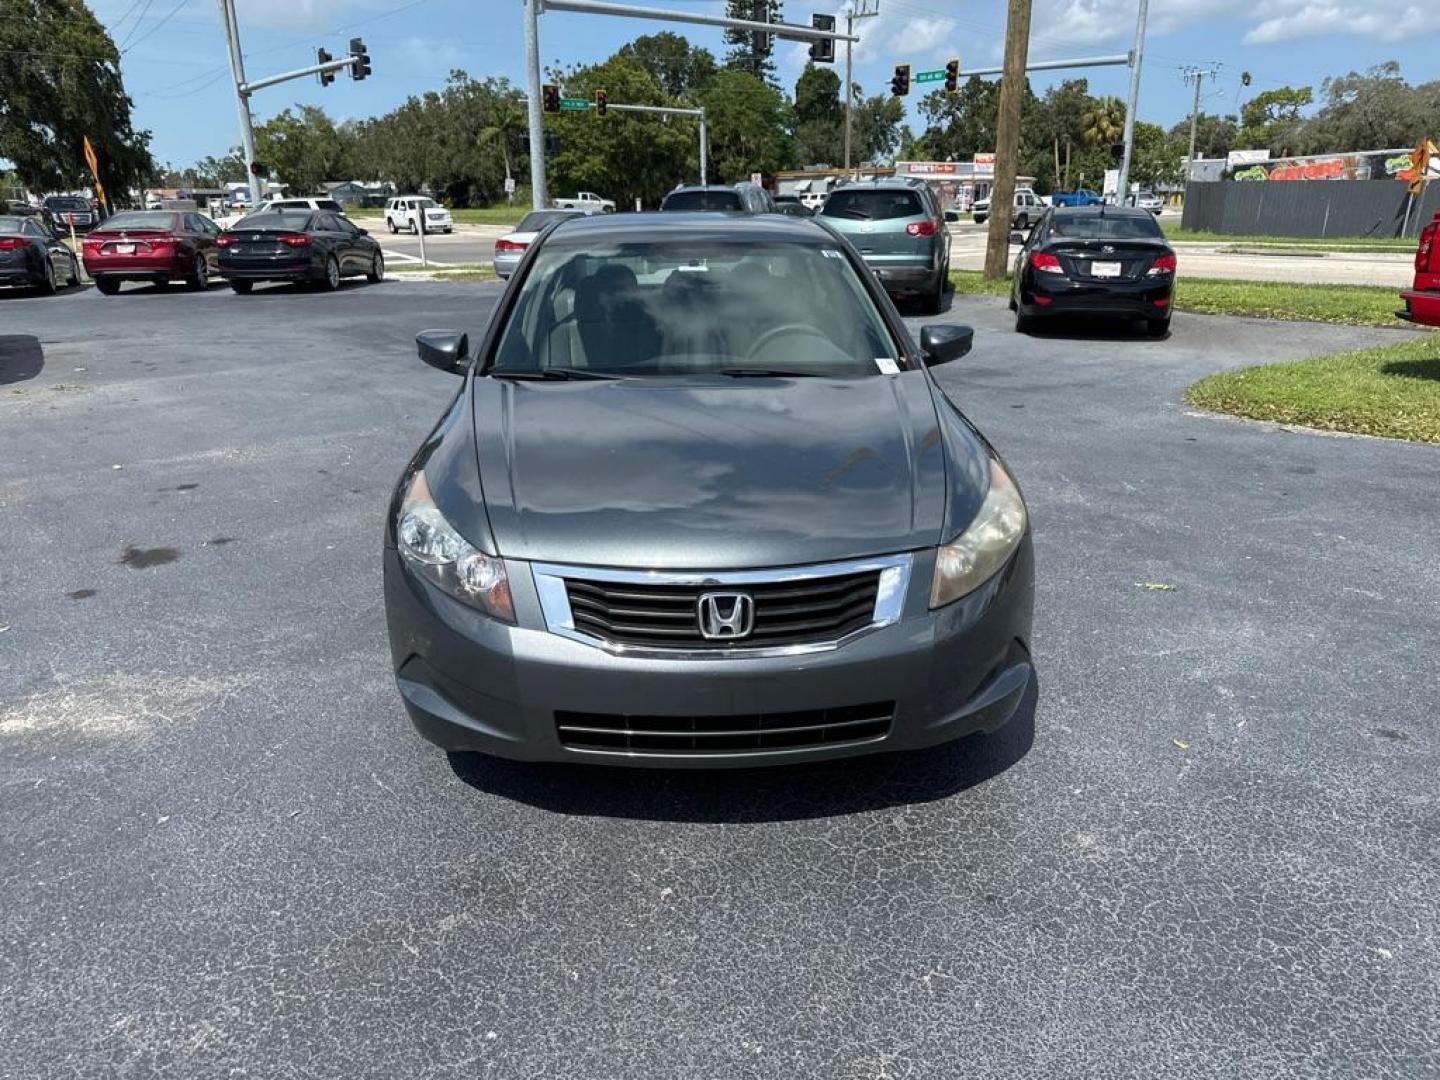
{"points": [[1307, 207]]}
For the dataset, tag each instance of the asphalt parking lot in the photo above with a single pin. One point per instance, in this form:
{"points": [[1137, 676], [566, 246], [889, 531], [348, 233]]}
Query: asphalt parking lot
{"points": [[1208, 848]]}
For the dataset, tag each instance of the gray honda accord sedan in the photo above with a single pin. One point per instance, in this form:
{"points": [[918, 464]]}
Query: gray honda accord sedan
{"points": [[700, 501]]}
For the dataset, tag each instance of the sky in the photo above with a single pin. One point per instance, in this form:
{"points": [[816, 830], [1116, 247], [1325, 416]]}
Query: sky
{"points": [[176, 71]]}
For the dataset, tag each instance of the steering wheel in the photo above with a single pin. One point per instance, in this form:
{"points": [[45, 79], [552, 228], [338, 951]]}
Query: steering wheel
{"points": [[782, 331]]}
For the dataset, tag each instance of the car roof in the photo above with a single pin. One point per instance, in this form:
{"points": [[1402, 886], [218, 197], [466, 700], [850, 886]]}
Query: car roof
{"points": [[1105, 211], [656, 227], [709, 187]]}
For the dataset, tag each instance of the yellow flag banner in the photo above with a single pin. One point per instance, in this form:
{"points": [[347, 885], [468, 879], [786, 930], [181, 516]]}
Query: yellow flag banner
{"points": [[94, 163]]}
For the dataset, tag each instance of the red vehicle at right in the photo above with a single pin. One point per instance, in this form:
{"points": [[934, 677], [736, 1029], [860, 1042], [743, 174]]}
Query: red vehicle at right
{"points": [[1422, 302]]}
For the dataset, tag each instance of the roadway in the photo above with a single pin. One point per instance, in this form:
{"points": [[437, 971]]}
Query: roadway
{"points": [[471, 244], [1206, 850]]}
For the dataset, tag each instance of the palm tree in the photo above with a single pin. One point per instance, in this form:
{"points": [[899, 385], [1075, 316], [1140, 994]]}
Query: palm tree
{"points": [[1104, 122], [507, 121]]}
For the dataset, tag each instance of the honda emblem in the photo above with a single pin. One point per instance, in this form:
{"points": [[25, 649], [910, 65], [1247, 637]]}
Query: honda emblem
{"points": [[725, 616]]}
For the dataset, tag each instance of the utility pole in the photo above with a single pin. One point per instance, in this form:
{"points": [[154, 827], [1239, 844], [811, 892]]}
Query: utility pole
{"points": [[1007, 138], [242, 97], [867, 9], [1137, 56], [538, 196], [1197, 76]]}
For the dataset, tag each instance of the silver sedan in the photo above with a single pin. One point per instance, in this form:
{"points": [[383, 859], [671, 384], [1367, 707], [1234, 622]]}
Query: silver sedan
{"points": [[511, 247]]}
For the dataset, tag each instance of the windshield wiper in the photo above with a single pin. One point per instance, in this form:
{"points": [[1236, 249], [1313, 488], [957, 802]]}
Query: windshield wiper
{"points": [[765, 373], [549, 374], [858, 215]]}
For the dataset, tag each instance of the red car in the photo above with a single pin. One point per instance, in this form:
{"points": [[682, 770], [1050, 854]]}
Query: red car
{"points": [[158, 246], [1422, 303]]}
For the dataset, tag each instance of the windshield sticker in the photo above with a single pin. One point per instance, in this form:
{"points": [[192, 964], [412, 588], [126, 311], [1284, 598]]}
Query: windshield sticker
{"points": [[887, 366], [831, 253]]}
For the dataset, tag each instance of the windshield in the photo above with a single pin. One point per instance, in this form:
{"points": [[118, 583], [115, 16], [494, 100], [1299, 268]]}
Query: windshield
{"points": [[289, 221], [1105, 227], [538, 219], [702, 200], [696, 307], [141, 219], [61, 202], [873, 205], [11, 226], [423, 204]]}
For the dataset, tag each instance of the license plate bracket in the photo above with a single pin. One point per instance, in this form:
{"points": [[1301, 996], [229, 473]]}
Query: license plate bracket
{"points": [[1105, 269], [125, 249]]}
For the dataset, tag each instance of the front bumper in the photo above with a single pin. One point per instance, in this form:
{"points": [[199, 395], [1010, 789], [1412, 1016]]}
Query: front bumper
{"points": [[1051, 294], [470, 683]]}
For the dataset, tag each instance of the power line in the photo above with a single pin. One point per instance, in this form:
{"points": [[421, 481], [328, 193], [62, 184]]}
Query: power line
{"points": [[169, 15], [139, 19]]}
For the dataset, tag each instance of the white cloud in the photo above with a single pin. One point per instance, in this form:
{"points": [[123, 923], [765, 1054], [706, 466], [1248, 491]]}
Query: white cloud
{"points": [[1383, 20], [1085, 23]]}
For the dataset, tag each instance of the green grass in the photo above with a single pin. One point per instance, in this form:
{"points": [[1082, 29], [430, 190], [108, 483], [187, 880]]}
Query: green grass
{"points": [[458, 272], [1393, 391], [1329, 243], [1347, 305]]}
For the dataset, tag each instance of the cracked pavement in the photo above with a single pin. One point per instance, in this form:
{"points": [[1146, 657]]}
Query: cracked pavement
{"points": [[1207, 849]]}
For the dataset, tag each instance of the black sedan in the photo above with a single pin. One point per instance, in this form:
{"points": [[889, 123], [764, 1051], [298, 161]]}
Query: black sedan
{"points": [[315, 247], [713, 510], [30, 254], [1095, 260]]}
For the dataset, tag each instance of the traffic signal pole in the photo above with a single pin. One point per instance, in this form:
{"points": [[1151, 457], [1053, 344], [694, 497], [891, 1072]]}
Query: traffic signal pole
{"points": [[538, 196], [1122, 185], [242, 97], [358, 62]]}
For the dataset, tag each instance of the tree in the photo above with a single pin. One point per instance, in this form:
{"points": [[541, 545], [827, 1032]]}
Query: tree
{"points": [[1374, 111], [819, 117], [743, 54], [679, 67], [1215, 136], [876, 121], [960, 125], [1271, 120], [303, 149], [1156, 159], [1104, 122], [60, 82], [624, 155], [507, 124], [748, 121]]}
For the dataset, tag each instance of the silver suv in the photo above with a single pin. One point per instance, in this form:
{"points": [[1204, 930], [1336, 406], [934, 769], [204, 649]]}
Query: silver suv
{"points": [[898, 226]]}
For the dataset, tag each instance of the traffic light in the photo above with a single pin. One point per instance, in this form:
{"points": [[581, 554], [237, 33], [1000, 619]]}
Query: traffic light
{"points": [[1244, 78], [550, 95], [900, 81], [1117, 151], [823, 52], [602, 102], [323, 57], [256, 169], [952, 76], [359, 59], [759, 39]]}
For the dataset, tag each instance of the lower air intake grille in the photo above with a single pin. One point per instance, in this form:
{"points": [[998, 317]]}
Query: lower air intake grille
{"points": [[690, 736]]}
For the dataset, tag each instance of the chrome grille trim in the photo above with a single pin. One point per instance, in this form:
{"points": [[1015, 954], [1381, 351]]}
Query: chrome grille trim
{"points": [[894, 585]]}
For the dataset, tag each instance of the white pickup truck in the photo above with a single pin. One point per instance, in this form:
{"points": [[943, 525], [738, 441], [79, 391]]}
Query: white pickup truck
{"points": [[587, 200]]}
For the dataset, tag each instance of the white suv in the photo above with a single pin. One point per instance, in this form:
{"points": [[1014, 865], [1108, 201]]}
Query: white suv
{"points": [[280, 206], [403, 213]]}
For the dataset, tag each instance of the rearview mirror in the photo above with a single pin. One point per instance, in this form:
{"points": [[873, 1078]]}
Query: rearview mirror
{"points": [[448, 350], [941, 343]]}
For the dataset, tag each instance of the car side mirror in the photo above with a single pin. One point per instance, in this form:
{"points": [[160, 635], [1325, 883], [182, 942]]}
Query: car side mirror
{"points": [[362, 232], [952, 215], [1017, 237], [447, 350], [943, 342]]}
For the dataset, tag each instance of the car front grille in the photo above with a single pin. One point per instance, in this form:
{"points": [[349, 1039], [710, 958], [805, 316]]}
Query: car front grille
{"points": [[692, 736], [794, 612]]}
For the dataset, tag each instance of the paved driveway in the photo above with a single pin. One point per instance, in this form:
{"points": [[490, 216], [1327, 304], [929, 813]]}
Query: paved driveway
{"points": [[1208, 850]]}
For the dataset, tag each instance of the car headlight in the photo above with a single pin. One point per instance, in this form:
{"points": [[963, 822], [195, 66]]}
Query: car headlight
{"points": [[974, 556], [433, 549]]}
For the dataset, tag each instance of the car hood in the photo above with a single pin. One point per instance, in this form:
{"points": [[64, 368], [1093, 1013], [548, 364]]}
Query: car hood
{"points": [[711, 474]]}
